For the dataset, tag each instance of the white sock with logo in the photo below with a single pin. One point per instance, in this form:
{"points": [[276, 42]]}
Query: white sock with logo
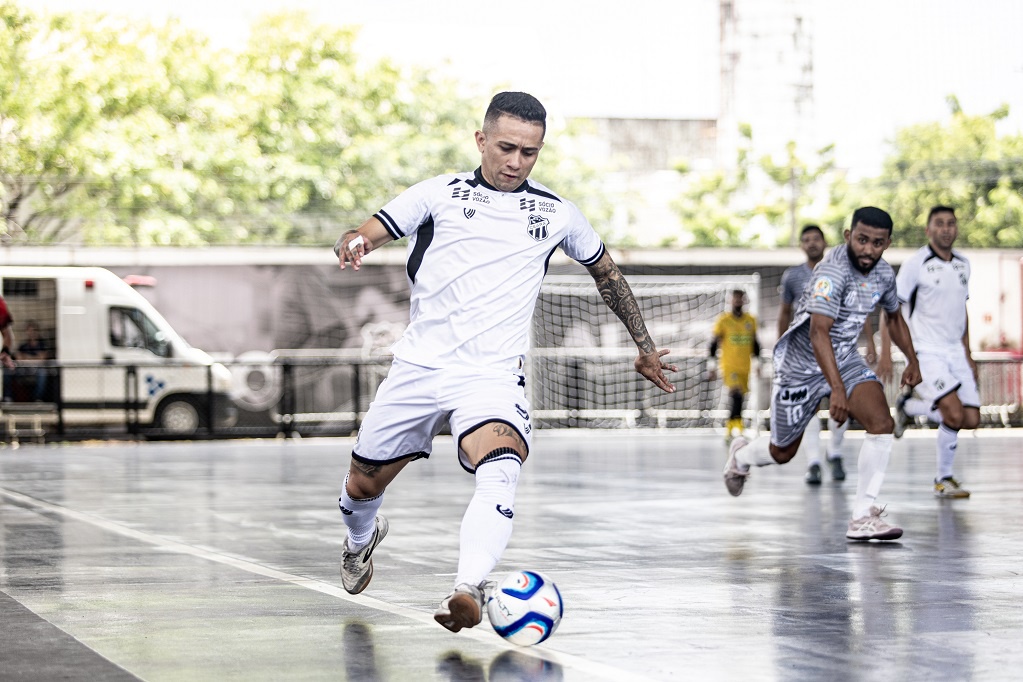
{"points": [[487, 523], [948, 440], [812, 442], [873, 462], [360, 517], [837, 433]]}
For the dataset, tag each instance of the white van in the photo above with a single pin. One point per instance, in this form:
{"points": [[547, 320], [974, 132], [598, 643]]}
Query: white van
{"points": [[119, 360]]}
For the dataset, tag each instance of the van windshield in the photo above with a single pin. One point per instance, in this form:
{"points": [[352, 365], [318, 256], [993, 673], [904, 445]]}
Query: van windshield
{"points": [[130, 328]]}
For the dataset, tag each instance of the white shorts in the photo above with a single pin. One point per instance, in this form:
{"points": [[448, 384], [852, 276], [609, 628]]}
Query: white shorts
{"points": [[945, 372], [413, 403]]}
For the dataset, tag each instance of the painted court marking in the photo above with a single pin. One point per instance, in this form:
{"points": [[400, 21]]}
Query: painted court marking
{"points": [[567, 661]]}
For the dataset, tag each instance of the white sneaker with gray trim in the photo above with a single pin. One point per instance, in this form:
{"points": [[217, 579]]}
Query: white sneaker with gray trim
{"points": [[871, 527], [735, 477], [357, 567], [463, 608]]}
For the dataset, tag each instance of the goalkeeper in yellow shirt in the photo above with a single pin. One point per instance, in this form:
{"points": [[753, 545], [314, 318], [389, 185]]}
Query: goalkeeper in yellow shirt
{"points": [[735, 333]]}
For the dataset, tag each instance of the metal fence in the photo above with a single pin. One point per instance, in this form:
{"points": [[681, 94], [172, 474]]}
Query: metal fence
{"points": [[310, 393]]}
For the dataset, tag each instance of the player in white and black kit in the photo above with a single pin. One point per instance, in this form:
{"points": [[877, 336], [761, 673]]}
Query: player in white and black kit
{"points": [[933, 286], [479, 245], [818, 356]]}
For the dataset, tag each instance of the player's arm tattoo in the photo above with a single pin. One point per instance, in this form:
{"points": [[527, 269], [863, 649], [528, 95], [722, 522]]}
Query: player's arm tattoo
{"points": [[367, 469], [617, 294]]}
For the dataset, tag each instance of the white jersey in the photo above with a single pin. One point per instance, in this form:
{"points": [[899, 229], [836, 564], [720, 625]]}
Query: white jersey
{"points": [[476, 258], [934, 293]]}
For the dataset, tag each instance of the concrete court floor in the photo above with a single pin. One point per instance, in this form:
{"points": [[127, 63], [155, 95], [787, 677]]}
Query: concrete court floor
{"points": [[218, 561]]}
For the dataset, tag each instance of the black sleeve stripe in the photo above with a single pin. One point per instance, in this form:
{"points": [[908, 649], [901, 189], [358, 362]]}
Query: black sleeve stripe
{"points": [[547, 261], [389, 223], [590, 261], [539, 192], [424, 236]]}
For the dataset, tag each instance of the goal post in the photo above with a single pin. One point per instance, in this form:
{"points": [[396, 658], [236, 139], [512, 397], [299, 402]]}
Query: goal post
{"points": [[581, 371]]}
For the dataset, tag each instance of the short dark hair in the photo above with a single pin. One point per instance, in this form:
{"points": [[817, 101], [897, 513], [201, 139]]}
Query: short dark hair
{"points": [[940, 209], [872, 216], [518, 104], [811, 228], [738, 292]]}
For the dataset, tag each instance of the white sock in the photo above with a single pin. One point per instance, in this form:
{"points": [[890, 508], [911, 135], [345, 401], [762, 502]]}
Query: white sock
{"points": [[948, 440], [837, 433], [812, 442], [360, 517], [915, 407], [873, 462], [756, 454], [487, 523]]}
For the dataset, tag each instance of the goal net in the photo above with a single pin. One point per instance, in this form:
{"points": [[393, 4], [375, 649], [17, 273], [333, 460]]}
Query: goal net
{"points": [[581, 371]]}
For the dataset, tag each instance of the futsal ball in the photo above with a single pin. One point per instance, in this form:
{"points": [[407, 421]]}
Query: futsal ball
{"points": [[525, 608]]}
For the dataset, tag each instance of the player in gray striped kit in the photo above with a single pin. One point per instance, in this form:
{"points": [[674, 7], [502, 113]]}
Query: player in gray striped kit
{"points": [[818, 357]]}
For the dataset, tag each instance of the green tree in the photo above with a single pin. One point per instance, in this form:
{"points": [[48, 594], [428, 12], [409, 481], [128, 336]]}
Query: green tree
{"points": [[709, 208], [719, 208], [795, 183], [962, 163]]}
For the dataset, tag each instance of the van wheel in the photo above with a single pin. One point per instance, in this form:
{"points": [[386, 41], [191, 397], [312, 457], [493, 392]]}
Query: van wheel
{"points": [[179, 417]]}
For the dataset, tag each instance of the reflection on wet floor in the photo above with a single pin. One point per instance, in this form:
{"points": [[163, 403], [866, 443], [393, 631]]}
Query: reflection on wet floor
{"points": [[172, 561]]}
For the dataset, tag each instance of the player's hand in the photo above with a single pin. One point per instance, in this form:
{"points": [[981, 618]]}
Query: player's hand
{"points": [[650, 366], [712, 374], [884, 368], [838, 406], [351, 248], [7, 361], [911, 376]]}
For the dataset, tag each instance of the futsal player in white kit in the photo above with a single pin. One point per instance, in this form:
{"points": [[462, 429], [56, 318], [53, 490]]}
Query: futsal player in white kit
{"points": [[479, 245], [818, 356], [933, 286]]}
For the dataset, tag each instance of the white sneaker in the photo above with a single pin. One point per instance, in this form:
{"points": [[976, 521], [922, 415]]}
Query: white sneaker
{"points": [[949, 487], [735, 478], [357, 567], [902, 419], [871, 527], [463, 608]]}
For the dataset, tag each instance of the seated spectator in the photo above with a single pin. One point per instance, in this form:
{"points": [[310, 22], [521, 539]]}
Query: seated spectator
{"points": [[32, 354]]}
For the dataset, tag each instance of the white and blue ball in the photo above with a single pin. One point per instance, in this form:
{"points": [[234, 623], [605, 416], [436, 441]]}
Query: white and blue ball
{"points": [[525, 608]]}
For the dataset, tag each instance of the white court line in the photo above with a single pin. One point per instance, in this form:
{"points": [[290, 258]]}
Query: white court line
{"points": [[567, 661]]}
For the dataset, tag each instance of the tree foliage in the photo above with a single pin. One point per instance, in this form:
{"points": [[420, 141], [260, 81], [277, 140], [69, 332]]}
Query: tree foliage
{"points": [[753, 203], [117, 132], [962, 163]]}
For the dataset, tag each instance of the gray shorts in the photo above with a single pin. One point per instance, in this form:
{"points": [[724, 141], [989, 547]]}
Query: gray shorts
{"points": [[795, 403]]}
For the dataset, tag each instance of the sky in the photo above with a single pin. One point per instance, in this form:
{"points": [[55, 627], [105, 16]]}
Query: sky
{"points": [[878, 64]]}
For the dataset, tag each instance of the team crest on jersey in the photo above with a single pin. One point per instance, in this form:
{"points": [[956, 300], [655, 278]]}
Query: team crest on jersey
{"points": [[822, 289], [469, 212], [537, 227]]}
